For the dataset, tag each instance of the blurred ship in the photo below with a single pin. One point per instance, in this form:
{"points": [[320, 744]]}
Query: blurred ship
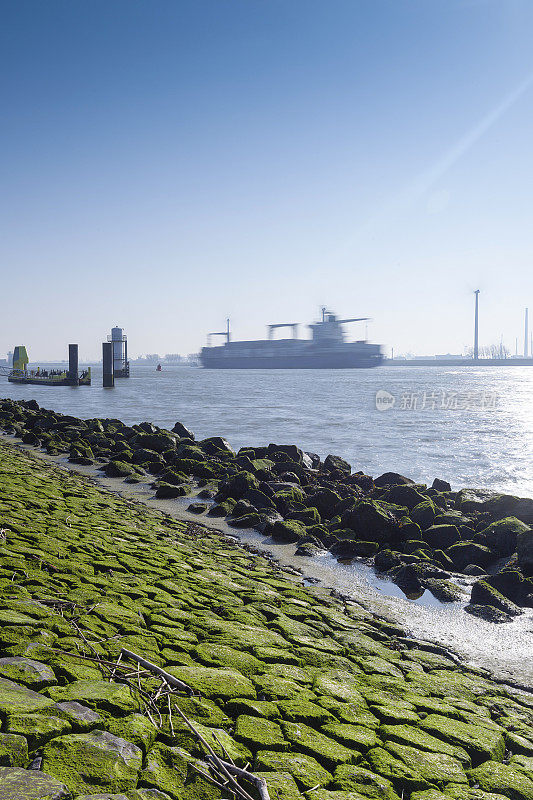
{"points": [[327, 349]]}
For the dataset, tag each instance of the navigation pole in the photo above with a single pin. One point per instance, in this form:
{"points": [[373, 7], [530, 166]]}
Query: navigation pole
{"points": [[476, 342]]}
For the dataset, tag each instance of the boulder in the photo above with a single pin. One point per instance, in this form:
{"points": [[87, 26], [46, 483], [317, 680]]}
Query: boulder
{"points": [[324, 500], [288, 531], [486, 595], [13, 750], [237, 486], [472, 499], [424, 514], [166, 491], [24, 670], [289, 452], [118, 469], [488, 613], [440, 537], [441, 486], [386, 559], [524, 550], [370, 521], [182, 431], [464, 553], [336, 464], [506, 505], [96, 759], [511, 584], [404, 494], [501, 536], [30, 784], [215, 446], [391, 479]]}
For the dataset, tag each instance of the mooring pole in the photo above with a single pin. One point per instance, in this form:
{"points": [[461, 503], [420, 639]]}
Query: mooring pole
{"points": [[73, 376], [476, 327], [108, 372]]}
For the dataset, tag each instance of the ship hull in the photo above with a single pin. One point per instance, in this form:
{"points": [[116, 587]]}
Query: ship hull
{"points": [[315, 361], [48, 381]]}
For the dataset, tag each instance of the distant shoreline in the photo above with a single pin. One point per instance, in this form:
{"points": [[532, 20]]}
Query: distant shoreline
{"points": [[458, 362]]}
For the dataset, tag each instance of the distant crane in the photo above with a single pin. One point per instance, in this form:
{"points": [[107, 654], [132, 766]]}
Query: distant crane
{"points": [[225, 333]]}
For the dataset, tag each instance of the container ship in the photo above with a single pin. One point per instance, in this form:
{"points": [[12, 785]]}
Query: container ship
{"points": [[326, 349]]}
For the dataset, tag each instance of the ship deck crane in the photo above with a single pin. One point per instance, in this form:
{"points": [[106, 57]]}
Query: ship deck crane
{"points": [[293, 325], [225, 333]]}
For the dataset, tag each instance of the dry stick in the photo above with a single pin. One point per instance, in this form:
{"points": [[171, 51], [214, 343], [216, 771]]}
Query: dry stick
{"points": [[259, 783], [218, 761], [170, 679], [115, 667], [205, 776], [224, 767]]}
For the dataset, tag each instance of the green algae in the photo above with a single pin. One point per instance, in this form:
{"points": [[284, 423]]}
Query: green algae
{"points": [[272, 664]]}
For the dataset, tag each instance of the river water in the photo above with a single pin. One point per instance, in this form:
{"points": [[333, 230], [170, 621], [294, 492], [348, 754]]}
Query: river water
{"points": [[470, 426], [473, 427]]}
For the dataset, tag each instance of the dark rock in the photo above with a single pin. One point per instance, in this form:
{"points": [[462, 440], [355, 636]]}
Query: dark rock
{"points": [[237, 486], [464, 553], [468, 500], [391, 479], [314, 459], [441, 486], [406, 578], [404, 494], [501, 536], [443, 590], [386, 560], [118, 469], [197, 508], [336, 463], [167, 491], [324, 500], [216, 446], [268, 520], [290, 451], [364, 482], [442, 536], [486, 595], [524, 550], [245, 521], [350, 549], [220, 509], [370, 521], [287, 531], [473, 569], [509, 583], [258, 498], [308, 549], [182, 431], [424, 514], [488, 613], [309, 516]]}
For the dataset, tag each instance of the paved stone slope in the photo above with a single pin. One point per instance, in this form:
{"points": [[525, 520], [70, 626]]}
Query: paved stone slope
{"points": [[321, 698]]}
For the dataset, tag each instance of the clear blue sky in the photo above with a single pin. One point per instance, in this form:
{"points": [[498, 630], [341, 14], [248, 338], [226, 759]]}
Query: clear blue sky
{"points": [[167, 163]]}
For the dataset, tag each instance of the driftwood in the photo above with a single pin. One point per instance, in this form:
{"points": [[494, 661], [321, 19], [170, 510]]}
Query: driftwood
{"points": [[218, 771], [167, 677]]}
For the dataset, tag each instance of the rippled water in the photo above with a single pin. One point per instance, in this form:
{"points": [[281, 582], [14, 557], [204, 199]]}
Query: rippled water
{"points": [[471, 426]]}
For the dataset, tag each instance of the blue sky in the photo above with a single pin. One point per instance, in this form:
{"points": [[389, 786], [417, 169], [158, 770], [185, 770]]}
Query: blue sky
{"points": [[168, 164]]}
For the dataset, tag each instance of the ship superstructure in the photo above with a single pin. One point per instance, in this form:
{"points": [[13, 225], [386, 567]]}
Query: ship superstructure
{"points": [[326, 349]]}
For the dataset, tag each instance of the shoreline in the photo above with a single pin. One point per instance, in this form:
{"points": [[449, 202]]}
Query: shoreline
{"points": [[309, 687], [431, 625]]}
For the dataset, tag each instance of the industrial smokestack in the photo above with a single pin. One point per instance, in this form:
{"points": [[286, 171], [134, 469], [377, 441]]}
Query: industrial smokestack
{"points": [[526, 336], [476, 340]]}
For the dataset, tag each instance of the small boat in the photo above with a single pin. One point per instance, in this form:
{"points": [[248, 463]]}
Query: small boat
{"points": [[159, 368]]}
